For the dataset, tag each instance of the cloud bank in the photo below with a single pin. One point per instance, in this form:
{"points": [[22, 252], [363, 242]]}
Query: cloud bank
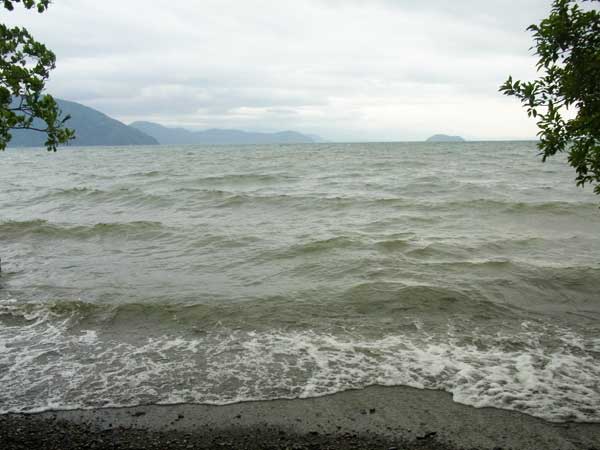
{"points": [[349, 70]]}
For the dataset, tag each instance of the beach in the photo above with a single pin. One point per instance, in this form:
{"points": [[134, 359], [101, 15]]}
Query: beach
{"points": [[376, 417]]}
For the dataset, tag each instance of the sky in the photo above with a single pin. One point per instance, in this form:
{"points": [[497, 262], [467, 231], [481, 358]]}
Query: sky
{"points": [[347, 70]]}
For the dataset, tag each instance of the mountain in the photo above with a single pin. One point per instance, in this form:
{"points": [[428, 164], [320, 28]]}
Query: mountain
{"points": [[445, 138], [175, 136], [91, 128]]}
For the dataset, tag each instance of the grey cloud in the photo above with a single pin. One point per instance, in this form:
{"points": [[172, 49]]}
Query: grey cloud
{"points": [[506, 13], [345, 69]]}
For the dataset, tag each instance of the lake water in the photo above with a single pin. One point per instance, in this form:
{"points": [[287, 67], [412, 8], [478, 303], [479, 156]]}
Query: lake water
{"points": [[225, 274]]}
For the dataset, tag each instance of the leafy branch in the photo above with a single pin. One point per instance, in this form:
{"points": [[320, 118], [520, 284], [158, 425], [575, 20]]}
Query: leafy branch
{"points": [[568, 45], [25, 67]]}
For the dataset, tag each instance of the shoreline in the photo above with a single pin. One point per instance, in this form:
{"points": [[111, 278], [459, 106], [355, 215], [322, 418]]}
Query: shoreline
{"points": [[374, 417]]}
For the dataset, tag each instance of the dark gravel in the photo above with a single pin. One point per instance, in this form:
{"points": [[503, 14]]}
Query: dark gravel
{"points": [[23, 432]]}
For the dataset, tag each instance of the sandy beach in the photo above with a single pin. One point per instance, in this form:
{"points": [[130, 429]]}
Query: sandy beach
{"points": [[376, 417]]}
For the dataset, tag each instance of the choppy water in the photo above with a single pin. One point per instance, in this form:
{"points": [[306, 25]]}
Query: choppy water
{"points": [[216, 275]]}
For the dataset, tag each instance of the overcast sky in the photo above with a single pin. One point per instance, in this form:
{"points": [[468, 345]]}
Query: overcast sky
{"points": [[348, 70]]}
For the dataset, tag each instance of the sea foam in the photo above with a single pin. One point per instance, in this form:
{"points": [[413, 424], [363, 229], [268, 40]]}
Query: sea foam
{"points": [[48, 363]]}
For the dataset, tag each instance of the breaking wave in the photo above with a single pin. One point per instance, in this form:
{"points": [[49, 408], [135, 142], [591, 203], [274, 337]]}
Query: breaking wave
{"points": [[49, 364]]}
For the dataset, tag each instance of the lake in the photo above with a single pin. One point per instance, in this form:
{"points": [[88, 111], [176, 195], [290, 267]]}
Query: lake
{"points": [[222, 274]]}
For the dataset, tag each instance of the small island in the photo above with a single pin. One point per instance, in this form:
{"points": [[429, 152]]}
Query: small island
{"points": [[445, 138]]}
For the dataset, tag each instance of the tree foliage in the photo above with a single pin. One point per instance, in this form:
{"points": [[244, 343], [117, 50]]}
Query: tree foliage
{"points": [[568, 45], [25, 66]]}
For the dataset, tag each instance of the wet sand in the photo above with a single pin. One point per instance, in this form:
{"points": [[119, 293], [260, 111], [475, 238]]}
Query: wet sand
{"points": [[376, 417]]}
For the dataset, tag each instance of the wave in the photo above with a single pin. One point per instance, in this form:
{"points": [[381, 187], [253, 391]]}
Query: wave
{"points": [[393, 245], [301, 202], [148, 174], [361, 306], [458, 258], [230, 198], [438, 250], [554, 207], [308, 248], [217, 193], [44, 229], [395, 300], [542, 370], [533, 251], [244, 178], [133, 197], [225, 199]]}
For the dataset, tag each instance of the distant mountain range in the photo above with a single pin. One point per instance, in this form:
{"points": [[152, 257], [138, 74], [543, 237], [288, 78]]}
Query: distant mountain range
{"points": [[445, 138], [95, 128], [181, 136], [91, 128]]}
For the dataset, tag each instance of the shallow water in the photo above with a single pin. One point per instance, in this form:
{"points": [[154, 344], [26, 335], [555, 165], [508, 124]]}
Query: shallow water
{"points": [[223, 274]]}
